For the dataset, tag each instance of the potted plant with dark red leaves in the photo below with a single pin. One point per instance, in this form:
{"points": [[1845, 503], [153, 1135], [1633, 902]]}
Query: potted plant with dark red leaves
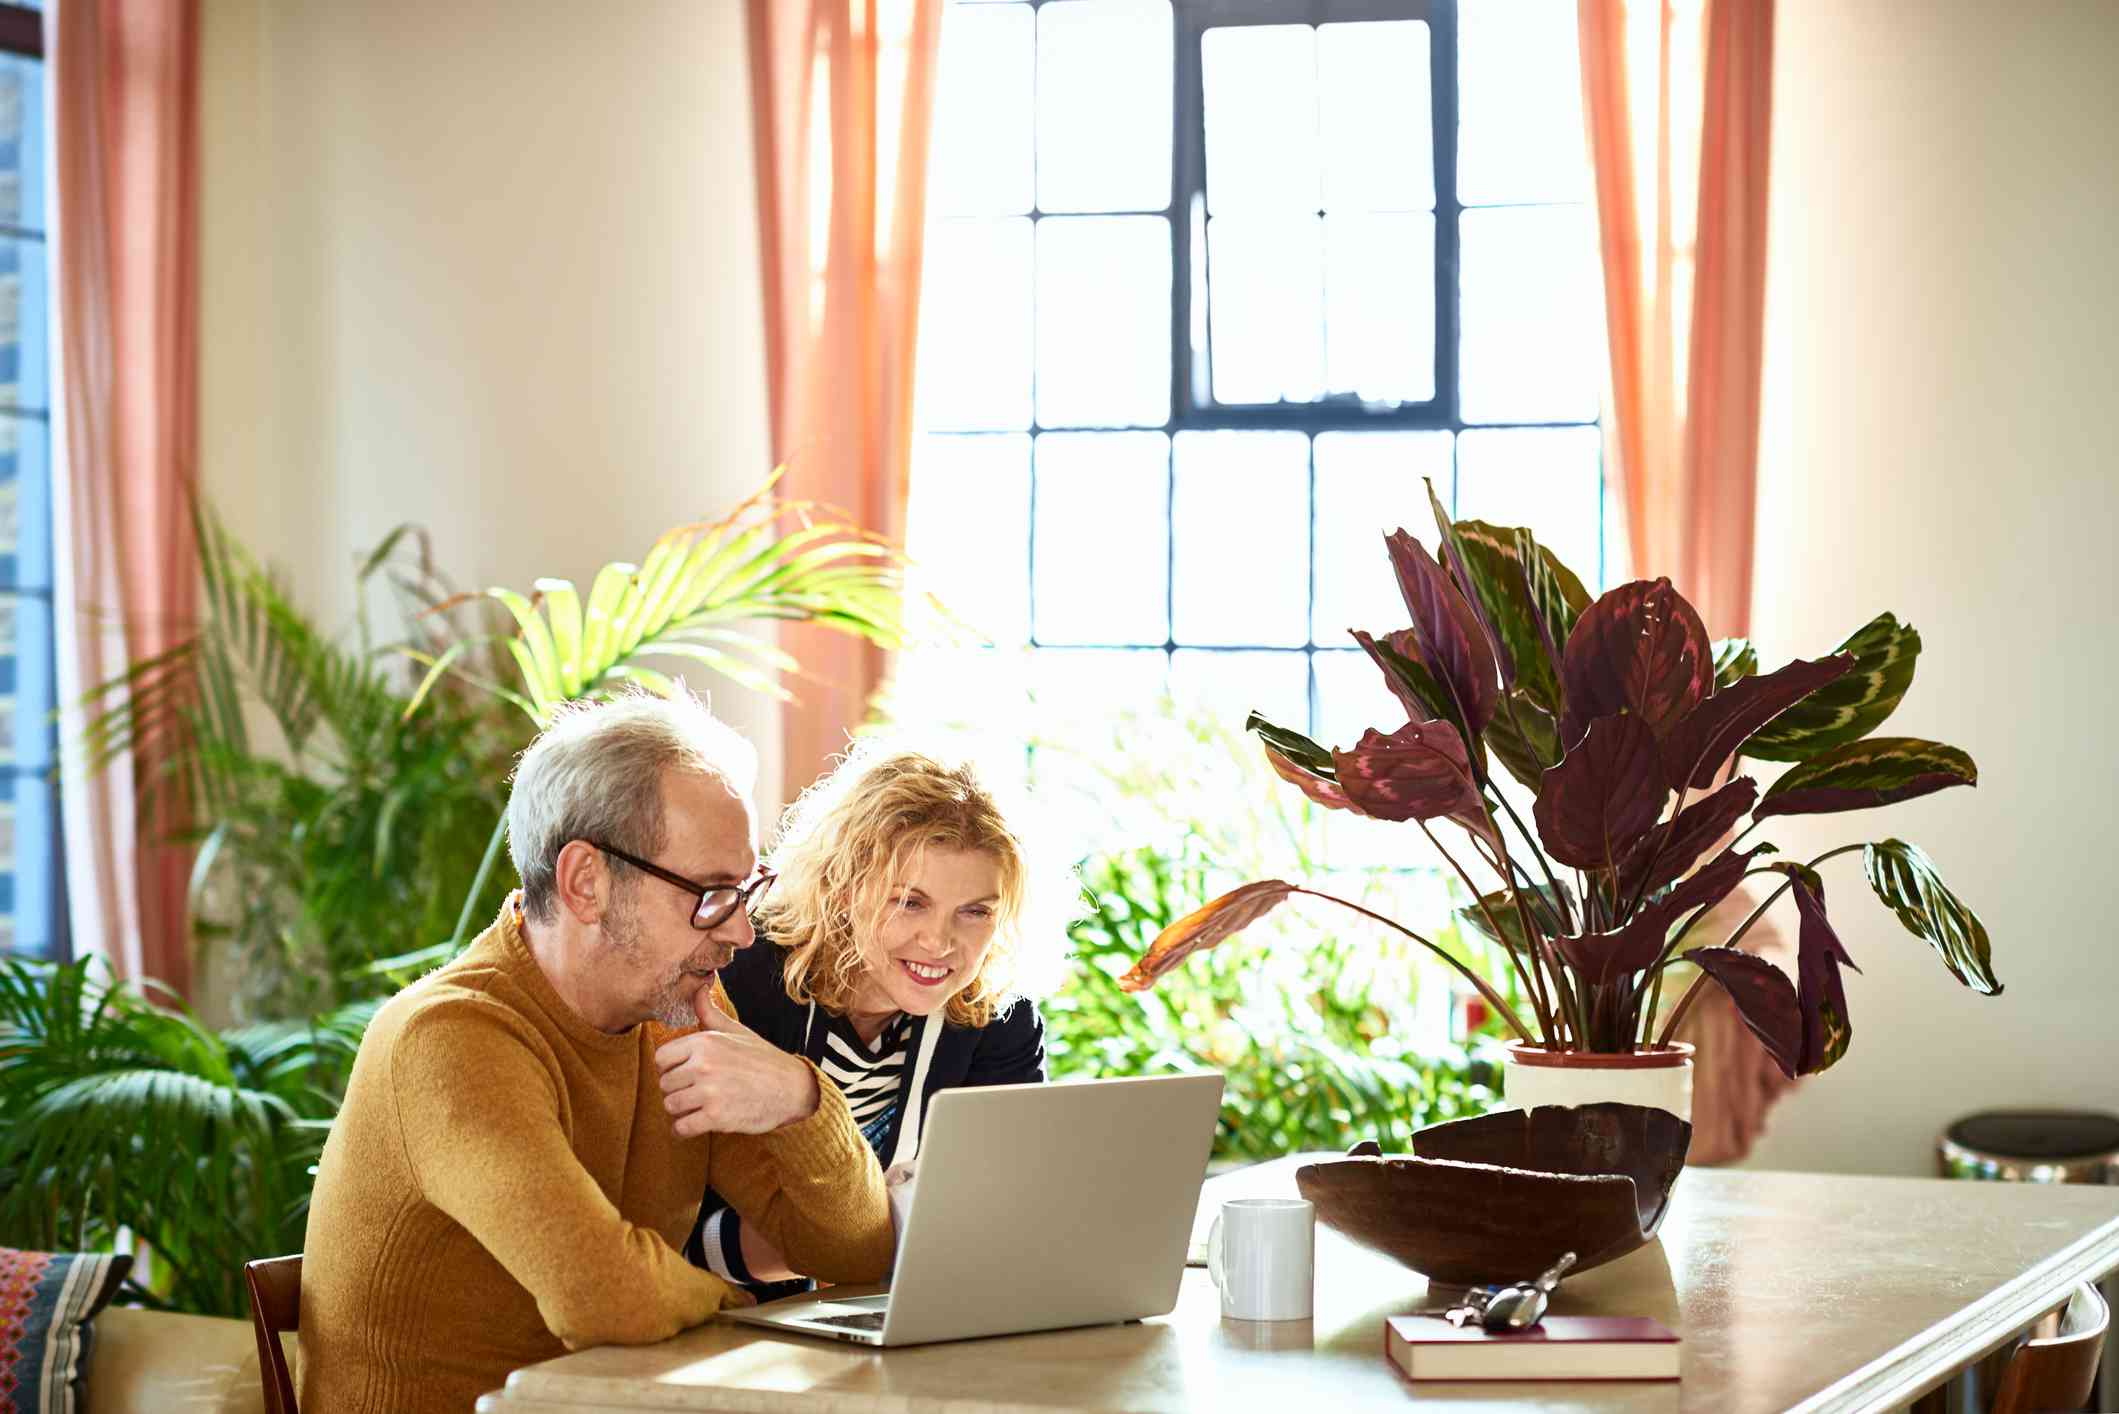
{"points": [[1631, 731]]}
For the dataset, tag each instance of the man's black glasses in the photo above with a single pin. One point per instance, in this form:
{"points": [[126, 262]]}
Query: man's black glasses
{"points": [[717, 902]]}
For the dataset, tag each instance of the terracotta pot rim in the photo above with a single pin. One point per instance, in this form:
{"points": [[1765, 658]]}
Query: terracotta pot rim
{"points": [[1668, 1057]]}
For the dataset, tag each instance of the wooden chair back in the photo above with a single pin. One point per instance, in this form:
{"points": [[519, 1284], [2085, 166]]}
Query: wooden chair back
{"points": [[275, 1306], [2057, 1371]]}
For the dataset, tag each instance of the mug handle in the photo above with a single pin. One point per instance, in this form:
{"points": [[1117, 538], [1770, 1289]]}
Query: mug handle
{"points": [[1214, 1269]]}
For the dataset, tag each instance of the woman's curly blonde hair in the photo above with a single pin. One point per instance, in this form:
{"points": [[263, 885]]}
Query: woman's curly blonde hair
{"points": [[852, 838]]}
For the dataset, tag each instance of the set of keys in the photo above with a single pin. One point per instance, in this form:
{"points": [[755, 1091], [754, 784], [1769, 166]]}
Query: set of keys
{"points": [[1515, 1306]]}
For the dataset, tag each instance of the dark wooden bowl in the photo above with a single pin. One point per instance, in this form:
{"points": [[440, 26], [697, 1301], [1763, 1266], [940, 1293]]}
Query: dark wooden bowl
{"points": [[1500, 1197]]}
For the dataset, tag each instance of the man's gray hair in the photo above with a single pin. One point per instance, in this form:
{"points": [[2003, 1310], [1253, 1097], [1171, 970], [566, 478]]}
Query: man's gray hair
{"points": [[596, 774]]}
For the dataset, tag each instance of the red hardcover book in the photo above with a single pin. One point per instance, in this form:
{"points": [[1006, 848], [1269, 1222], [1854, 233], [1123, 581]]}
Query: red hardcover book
{"points": [[1557, 1348]]}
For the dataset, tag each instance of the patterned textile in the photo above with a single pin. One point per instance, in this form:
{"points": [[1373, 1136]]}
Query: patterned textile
{"points": [[46, 1302]]}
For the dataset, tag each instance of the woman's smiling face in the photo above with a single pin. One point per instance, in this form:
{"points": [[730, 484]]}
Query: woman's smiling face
{"points": [[932, 935]]}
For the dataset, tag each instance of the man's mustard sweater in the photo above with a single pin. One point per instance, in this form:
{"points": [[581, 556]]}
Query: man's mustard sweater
{"points": [[503, 1185]]}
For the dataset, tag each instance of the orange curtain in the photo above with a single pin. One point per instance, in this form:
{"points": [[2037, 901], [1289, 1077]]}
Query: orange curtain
{"points": [[125, 96], [842, 93], [1678, 98]]}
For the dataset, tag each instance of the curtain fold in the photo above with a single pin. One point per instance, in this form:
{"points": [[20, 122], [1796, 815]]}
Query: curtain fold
{"points": [[1677, 101], [842, 96], [124, 80]]}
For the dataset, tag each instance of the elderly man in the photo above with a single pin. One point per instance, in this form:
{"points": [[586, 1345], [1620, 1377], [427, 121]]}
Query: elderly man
{"points": [[528, 1128]]}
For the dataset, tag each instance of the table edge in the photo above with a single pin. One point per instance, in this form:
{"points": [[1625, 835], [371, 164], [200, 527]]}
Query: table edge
{"points": [[1928, 1360]]}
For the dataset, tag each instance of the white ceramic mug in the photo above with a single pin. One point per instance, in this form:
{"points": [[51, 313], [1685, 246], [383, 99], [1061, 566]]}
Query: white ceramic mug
{"points": [[1262, 1254]]}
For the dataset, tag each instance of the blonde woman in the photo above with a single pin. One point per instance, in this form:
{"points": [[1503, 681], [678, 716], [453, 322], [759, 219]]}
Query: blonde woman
{"points": [[890, 942]]}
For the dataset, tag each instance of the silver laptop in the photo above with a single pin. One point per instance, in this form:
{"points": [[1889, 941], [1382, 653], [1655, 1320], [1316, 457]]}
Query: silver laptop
{"points": [[1037, 1207]]}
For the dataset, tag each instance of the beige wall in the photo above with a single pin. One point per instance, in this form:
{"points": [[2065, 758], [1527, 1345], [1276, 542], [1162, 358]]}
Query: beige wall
{"points": [[1942, 440], [488, 265]]}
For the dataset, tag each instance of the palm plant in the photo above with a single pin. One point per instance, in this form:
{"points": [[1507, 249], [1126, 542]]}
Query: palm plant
{"points": [[770, 558], [328, 819], [123, 1115]]}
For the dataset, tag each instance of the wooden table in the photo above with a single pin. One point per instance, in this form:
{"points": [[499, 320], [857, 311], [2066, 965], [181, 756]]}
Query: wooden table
{"points": [[1792, 1291]]}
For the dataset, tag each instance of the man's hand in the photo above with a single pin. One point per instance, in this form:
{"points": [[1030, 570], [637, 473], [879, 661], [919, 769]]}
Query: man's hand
{"points": [[723, 1078]]}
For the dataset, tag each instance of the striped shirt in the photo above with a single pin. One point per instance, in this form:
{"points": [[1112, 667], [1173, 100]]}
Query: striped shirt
{"points": [[870, 1079]]}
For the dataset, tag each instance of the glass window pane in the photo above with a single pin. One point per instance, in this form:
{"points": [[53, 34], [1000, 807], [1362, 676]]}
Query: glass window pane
{"points": [[1375, 116], [1351, 698], [1228, 687], [1547, 478], [982, 163], [1380, 307], [1241, 538], [1103, 527], [1103, 321], [1260, 94], [1533, 315], [1072, 687], [975, 315], [22, 142], [1267, 319], [969, 533], [1369, 484], [1519, 94], [1104, 105]]}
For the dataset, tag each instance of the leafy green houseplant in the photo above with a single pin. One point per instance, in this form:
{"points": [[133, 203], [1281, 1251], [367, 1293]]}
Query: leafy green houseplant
{"points": [[1629, 728], [126, 1118], [328, 819], [1319, 1045]]}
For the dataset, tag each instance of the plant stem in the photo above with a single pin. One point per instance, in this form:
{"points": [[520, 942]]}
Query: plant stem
{"points": [[1655, 999], [1479, 900], [1684, 1005], [1486, 990], [1559, 899], [1685, 1002], [478, 884]]}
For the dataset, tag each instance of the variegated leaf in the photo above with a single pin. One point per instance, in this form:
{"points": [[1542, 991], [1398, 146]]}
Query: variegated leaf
{"points": [[1734, 658], [1453, 645], [1300, 762], [1878, 771], [1764, 998], [1556, 597], [1550, 913], [1905, 879], [1525, 739], [1884, 652], [1641, 650]]}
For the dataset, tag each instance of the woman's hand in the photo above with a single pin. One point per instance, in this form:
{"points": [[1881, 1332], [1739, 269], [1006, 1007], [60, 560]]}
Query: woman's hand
{"points": [[724, 1079], [760, 1258]]}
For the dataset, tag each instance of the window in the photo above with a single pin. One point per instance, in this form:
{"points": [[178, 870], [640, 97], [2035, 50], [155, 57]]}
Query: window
{"points": [[32, 915], [1210, 287]]}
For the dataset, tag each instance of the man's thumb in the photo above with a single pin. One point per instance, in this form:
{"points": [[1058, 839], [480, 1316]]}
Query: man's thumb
{"points": [[708, 1010]]}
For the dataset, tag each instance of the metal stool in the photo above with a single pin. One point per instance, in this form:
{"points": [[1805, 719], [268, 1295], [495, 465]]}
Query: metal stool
{"points": [[2039, 1146]]}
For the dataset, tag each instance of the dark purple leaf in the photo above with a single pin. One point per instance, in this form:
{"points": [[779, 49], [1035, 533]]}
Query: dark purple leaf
{"points": [[1452, 644], [1712, 732], [1460, 567], [1639, 942], [1419, 772], [1640, 649], [1764, 998], [1674, 846], [1597, 803], [1398, 655], [1861, 774], [1819, 956]]}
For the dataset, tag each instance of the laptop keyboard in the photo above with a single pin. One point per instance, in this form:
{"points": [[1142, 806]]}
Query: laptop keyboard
{"points": [[866, 1321]]}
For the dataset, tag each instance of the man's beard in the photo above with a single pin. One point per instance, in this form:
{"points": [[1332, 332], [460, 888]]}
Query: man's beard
{"points": [[667, 1002]]}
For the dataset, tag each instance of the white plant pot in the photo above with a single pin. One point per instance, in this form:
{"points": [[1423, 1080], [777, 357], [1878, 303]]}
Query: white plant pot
{"points": [[1660, 1076]]}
